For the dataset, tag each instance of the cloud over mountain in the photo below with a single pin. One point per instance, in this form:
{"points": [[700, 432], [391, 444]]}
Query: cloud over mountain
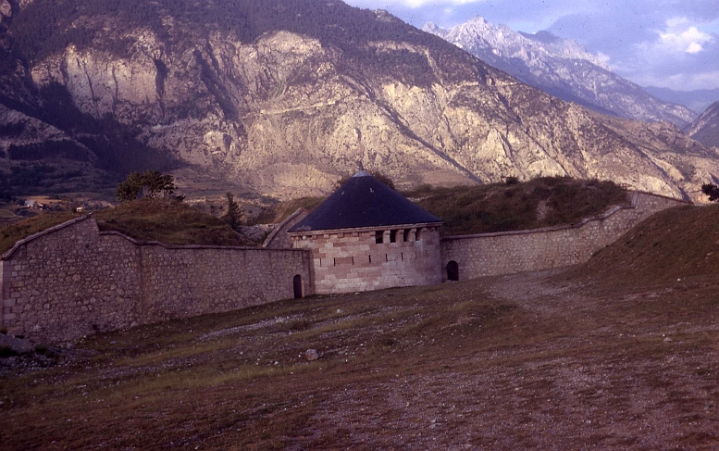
{"points": [[665, 44]]}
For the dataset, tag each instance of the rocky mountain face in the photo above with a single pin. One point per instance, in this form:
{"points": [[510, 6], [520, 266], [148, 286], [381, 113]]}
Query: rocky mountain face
{"points": [[283, 98], [562, 68], [705, 128]]}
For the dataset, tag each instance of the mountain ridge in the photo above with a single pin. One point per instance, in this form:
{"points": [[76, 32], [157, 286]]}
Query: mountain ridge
{"points": [[282, 99], [697, 100], [561, 67], [705, 128]]}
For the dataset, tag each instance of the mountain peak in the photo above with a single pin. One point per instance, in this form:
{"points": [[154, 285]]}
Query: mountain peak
{"points": [[563, 68]]}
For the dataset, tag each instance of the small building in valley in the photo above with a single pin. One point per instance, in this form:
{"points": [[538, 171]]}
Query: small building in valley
{"points": [[366, 236]]}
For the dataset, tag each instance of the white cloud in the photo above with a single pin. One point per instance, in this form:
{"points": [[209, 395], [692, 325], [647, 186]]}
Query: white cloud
{"points": [[603, 57], [667, 43], [680, 37], [694, 48]]}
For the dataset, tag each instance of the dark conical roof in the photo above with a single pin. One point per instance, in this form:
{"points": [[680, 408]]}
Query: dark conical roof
{"points": [[364, 201]]}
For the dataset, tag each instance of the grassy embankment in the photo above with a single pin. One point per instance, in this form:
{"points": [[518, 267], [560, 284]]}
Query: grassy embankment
{"points": [[16, 231], [542, 202], [498, 207], [672, 244], [169, 222]]}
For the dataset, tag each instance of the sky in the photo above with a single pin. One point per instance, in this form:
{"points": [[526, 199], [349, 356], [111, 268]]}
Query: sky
{"points": [[666, 43]]}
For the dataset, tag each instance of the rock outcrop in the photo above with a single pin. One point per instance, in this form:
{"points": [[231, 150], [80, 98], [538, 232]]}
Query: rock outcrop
{"points": [[283, 98]]}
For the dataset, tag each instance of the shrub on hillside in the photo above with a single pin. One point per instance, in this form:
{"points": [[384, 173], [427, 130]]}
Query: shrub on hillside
{"points": [[712, 191]]}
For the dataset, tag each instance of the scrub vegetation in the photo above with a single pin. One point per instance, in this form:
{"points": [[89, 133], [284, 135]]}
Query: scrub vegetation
{"points": [[167, 221], [500, 207], [513, 205]]}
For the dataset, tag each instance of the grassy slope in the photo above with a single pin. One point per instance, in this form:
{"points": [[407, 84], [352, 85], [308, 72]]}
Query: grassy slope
{"points": [[675, 243], [11, 233], [279, 212], [500, 207], [418, 368], [169, 222], [151, 220]]}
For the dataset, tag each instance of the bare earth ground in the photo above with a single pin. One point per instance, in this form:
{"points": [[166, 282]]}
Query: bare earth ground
{"points": [[528, 361]]}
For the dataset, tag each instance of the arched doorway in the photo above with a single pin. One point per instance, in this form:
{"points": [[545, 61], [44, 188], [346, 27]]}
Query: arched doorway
{"points": [[452, 270], [297, 286]]}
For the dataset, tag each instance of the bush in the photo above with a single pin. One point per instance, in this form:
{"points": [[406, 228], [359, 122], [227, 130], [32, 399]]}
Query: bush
{"points": [[7, 351], [149, 183], [233, 211], [712, 191]]}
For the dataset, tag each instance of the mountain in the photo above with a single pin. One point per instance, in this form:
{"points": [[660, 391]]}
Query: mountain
{"points": [[562, 68], [697, 100], [283, 98], [705, 128]]}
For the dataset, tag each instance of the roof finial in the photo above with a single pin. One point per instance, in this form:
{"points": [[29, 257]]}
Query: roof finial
{"points": [[361, 172]]}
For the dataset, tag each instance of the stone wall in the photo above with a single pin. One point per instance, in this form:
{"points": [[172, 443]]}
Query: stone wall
{"points": [[279, 237], [345, 261], [512, 252], [71, 280]]}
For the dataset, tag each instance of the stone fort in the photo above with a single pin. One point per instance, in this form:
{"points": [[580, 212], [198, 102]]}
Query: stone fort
{"points": [[73, 280]]}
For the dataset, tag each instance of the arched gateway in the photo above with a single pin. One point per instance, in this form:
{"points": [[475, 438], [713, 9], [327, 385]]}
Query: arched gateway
{"points": [[297, 286], [452, 270]]}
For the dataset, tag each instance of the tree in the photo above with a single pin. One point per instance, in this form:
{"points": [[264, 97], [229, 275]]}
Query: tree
{"points": [[712, 191], [233, 211], [149, 184], [5, 188]]}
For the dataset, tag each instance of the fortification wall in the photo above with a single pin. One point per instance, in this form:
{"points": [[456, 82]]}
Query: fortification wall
{"points": [[279, 237], [352, 260], [188, 281], [72, 280], [512, 252]]}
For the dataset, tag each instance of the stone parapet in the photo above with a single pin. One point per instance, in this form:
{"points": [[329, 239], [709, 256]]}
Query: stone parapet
{"points": [[500, 253]]}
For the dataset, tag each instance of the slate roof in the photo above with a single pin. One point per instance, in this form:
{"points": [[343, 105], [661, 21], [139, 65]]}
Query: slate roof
{"points": [[364, 201]]}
